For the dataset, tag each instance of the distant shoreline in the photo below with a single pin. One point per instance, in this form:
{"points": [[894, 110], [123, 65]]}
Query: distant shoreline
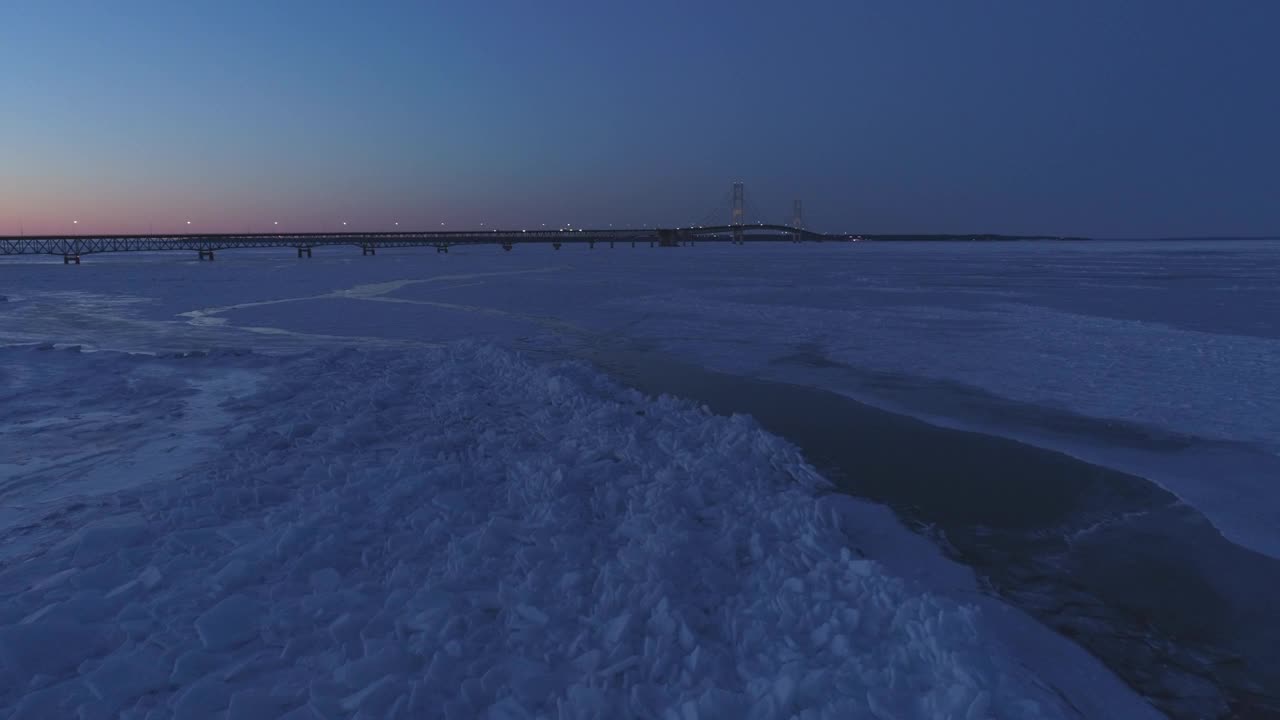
{"points": [[951, 237], [992, 237]]}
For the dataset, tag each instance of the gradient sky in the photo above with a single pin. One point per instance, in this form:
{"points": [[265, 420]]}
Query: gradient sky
{"points": [[1126, 118]]}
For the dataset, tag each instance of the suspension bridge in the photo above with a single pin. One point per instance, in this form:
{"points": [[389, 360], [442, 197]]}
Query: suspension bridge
{"points": [[206, 245]]}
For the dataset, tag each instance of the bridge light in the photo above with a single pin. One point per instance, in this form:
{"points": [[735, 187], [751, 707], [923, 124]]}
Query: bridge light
{"points": [[276, 222]]}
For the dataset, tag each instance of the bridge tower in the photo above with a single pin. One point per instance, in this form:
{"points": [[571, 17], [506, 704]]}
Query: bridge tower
{"points": [[797, 220], [739, 212]]}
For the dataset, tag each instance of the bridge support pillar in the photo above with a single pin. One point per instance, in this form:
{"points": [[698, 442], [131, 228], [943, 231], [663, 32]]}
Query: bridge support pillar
{"points": [[591, 244], [67, 259], [368, 250], [610, 244], [205, 254], [304, 252]]}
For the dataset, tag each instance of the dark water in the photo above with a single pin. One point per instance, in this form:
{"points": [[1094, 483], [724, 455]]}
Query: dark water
{"points": [[1111, 560]]}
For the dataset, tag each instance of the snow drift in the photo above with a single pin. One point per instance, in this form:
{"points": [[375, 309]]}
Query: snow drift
{"points": [[464, 533]]}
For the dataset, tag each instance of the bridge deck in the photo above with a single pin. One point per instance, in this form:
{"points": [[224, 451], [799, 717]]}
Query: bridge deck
{"points": [[73, 246]]}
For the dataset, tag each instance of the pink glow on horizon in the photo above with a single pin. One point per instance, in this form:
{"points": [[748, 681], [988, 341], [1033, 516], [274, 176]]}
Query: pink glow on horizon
{"points": [[86, 218]]}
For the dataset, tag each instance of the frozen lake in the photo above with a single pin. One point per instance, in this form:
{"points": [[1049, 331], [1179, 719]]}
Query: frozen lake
{"points": [[1155, 359], [1171, 346]]}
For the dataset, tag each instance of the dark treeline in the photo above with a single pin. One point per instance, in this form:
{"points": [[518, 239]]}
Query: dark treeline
{"points": [[980, 237]]}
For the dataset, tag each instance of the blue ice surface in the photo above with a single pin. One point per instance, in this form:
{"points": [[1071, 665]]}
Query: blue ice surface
{"points": [[389, 531], [1178, 338]]}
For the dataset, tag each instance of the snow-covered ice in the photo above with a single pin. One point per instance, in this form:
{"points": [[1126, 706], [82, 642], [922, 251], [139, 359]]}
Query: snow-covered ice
{"points": [[465, 532], [1175, 340], [150, 504]]}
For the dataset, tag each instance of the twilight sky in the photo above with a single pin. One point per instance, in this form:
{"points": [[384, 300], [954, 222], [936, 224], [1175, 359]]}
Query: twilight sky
{"points": [[1126, 118]]}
